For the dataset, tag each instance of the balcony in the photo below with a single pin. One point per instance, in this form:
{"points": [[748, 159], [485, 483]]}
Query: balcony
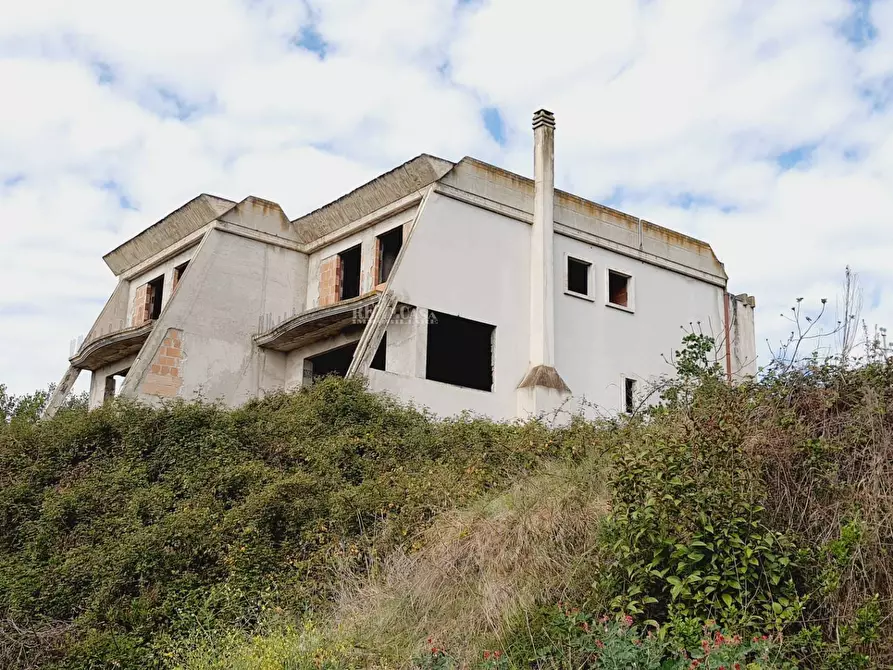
{"points": [[319, 323], [111, 347]]}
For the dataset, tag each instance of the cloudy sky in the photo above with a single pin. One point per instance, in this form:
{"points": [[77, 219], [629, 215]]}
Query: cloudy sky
{"points": [[764, 127]]}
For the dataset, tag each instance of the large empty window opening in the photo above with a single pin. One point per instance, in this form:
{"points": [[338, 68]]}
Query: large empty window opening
{"points": [[618, 288], [350, 273], [154, 297], [629, 395], [389, 245], [578, 276], [337, 361], [460, 351]]}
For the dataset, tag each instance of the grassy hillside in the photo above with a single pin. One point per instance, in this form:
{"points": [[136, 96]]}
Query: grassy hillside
{"points": [[335, 528]]}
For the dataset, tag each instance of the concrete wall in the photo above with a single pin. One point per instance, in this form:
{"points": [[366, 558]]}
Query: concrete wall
{"points": [[98, 377], [233, 282], [597, 345], [366, 238], [743, 336], [116, 313], [165, 268], [468, 262]]}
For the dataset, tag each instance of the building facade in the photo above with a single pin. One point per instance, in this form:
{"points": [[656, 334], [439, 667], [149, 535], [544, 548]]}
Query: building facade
{"points": [[456, 286]]}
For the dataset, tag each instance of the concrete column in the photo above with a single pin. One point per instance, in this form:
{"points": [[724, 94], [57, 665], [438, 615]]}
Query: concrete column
{"points": [[542, 296], [542, 390]]}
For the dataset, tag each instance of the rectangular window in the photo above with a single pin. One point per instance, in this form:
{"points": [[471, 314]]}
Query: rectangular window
{"points": [[350, 273], [389, 245], [337, 361], [178, 273], [154, 297], [332, 362], [629, 395], [618, 288], [578, 274], [460, 351], [379, 361]]}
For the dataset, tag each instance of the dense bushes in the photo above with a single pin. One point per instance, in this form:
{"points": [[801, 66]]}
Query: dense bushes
{"points": [[332, 528], [128, 527]]}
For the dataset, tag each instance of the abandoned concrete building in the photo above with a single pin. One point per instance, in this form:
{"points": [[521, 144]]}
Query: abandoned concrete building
{"points": [[456, 286]]}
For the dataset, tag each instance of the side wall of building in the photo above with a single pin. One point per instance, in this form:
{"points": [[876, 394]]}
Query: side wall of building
{"points": [[598, 346], [468, 262], [366, 238], [203, 341]]}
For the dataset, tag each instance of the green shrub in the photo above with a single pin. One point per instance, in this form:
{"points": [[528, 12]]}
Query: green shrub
{"points": [[136, 526]]}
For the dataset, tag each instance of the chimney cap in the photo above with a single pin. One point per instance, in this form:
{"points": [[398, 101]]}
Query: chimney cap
{"points": [[543, 117]]}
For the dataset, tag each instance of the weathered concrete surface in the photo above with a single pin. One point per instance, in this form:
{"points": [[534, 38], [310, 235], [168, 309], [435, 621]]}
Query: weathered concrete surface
{"points": [[63, 388], [381, 191], [99, 376], [233, 283], [315, 324], [114, 316], [178, 224], [627, 234], [112, 347], [261, 215]]}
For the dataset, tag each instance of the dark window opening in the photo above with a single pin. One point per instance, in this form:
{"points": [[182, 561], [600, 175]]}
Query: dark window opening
{"points": [[350, 273], [110, 390], [111, 384], [333, 362], [156, 293], [337, 361], [460, 351], [379, 361], [178, 273], [629, 395], [578, 276], [389, 245], [618, 289]]}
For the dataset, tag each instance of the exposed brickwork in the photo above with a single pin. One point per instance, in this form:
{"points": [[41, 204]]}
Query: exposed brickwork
{"points": [[142, 304], [330, 281], [164, 378]]}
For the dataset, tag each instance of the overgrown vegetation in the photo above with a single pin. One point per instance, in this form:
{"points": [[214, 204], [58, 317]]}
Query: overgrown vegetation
{"points": [[332, 528]]}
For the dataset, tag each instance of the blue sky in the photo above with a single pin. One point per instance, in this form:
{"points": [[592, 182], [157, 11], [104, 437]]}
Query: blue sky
{"points": [[762, 127]]}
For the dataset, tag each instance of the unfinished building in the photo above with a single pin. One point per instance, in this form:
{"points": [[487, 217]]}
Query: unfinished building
{"points": [[457, 286]]}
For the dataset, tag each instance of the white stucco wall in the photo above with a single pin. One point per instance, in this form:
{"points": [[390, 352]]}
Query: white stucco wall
{"points": [[468, 262], [597, 346], [231, 284]]}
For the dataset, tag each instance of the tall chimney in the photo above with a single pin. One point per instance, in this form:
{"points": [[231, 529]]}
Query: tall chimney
{"points": [[542, 389], [542, 298]]}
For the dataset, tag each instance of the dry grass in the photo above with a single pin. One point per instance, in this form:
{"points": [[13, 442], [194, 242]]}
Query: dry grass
{"points": [[482, 567]]}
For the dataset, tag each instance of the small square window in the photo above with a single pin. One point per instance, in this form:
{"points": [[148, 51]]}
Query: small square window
{"points": [[619, 286], [578, 276]]}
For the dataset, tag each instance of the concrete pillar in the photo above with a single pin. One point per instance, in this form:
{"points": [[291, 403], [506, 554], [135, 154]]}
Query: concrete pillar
{"points": [[542, 390], [542, 297]]}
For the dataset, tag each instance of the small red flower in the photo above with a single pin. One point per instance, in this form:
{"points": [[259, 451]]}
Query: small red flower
{"points": [[737, 666], [497, 654], [599, 644], [486, 655], [628, 620]]}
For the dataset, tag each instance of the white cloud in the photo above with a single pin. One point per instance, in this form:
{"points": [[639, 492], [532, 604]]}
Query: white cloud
{"points": [[114, 114]]}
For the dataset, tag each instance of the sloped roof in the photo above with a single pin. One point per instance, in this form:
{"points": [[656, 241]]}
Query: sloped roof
{"points": [[383, 190], [174, 227]]}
